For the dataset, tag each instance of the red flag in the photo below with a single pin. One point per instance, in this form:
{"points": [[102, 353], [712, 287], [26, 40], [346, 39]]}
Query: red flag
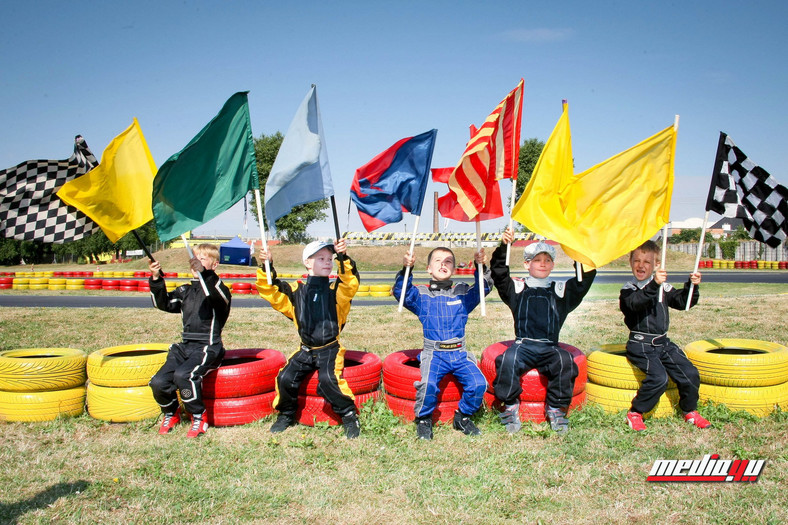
{"points": [[491, 154]]}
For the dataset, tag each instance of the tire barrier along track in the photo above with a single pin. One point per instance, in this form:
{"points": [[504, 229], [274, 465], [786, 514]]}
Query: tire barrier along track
{"points": [[533, 383], [39, 369], [401, 371], [127, 365], [739, 362], [41, 406], [608, 366]]}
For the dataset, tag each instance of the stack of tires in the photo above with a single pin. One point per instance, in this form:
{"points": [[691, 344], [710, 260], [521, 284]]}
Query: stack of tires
{"points": [[41, 384], [401, 372], [742, 374], [613, 382], [362, 373], [534, 385], [118, 378], [242, 389]]}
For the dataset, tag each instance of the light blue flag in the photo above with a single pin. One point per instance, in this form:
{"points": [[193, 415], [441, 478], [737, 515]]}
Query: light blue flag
{"points": [[300, 173]]}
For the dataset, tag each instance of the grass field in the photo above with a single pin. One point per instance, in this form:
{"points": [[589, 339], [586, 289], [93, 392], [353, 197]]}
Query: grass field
{"points": [[83, 470]]}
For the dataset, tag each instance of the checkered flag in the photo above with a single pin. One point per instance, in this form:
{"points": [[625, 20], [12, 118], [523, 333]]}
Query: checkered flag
{"points": [[740, 188], [29, 207]]}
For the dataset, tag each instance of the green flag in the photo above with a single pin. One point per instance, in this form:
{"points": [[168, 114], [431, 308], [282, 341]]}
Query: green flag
{"points": [[214, 171]]}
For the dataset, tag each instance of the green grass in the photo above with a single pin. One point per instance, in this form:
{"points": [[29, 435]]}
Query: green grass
{"points": [[82, 470]]}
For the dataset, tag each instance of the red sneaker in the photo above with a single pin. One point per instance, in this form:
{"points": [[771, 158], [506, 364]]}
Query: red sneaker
{"points": [[199, 426], [696, 419], [169, 422], [635, 421]]}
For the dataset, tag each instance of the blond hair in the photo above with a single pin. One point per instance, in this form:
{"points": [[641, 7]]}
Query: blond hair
{"points": [[211, 250]]}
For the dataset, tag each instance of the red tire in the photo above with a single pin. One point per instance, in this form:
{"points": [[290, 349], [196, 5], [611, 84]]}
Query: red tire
{"points": [[129, 282], [93, 282], [238, 410], [362, 373], [404, 409], [92, 287], [315, 409], [401, 371], [244, 372], [533, 383], [128, 288], [241, 286], [534, 410]]}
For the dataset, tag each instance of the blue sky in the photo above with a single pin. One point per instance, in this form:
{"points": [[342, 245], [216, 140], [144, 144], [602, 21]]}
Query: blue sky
{"points": [[389, 70]]}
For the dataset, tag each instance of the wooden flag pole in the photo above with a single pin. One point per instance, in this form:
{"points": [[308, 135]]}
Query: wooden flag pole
{"points": [[263, 240], [480, 268], [407, 268], [697, 258], [664, 253], [511, 220]]}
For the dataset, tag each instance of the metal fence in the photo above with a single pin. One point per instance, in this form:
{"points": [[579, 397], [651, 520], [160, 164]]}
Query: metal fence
{"points": [[745, 251]]}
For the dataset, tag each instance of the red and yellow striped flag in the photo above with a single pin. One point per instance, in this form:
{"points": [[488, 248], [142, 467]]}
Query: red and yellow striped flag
{"points": [[492, 154]]}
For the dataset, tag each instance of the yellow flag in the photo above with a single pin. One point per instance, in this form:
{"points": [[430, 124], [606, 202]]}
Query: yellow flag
{"points": [[607, 210], [117, 193], [539, 207]]}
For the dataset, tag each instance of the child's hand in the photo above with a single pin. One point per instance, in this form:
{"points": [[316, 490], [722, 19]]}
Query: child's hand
{"points": [[409, 260], [196, 265], [155, 270], [508, 236], [479, 256], [695, 278], [661, 275], [340, 246], [264, 255]]}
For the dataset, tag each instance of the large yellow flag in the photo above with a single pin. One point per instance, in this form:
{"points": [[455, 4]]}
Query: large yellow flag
{"points": [[117, 193], [607, 210]]}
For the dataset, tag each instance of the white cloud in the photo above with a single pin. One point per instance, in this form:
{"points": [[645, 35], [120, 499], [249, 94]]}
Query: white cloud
{"points": [[537, 35]]}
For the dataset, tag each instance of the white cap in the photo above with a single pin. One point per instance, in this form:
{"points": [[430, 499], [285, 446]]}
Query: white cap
{"points": [[315, 246], [535, 248]]}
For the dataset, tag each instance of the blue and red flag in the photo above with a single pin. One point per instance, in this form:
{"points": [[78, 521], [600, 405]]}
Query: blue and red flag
{"points": [[395, 181]]}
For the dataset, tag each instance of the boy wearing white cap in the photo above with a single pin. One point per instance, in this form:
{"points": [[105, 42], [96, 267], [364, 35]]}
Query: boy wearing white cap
{"points": [[319, 310], [539, 307]]}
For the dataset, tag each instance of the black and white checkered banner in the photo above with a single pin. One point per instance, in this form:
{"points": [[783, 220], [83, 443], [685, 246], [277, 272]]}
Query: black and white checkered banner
{"points": [[29, 207], [740, 188]]}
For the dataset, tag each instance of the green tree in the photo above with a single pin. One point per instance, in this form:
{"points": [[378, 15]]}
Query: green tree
{"points": [[740, 234], [529, 155], [292, 227]]}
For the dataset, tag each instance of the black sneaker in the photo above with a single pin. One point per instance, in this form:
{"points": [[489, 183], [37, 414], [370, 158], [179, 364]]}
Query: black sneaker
{"points": [[424, 427], [351, 424], [557, 419], [510, 417], [282, 423], [463, 423]]}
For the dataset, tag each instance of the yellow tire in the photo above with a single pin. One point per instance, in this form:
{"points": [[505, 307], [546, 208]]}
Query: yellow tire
{"points": [[363, 288], [126, 365], [380, 294], [608, 366], [39, 369], [75, 287], [38, 287], [57, 280], [70, 282], [759, 401], [362, 294], [614, 400], [38, 280], [21, 280], [21, 286], [121, 405], [739, 362], [379, 287], [56, 287], [41, 406]]}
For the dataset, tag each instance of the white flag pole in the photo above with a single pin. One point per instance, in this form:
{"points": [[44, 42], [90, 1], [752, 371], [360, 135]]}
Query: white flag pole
{"points": [[697, 257], [511, 220], [263, 240], [407, 268], [480, 268], [188, 248], [664, 250]]}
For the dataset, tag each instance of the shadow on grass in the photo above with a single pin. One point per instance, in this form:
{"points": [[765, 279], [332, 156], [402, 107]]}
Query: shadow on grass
{"points": [[10, 512]]}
